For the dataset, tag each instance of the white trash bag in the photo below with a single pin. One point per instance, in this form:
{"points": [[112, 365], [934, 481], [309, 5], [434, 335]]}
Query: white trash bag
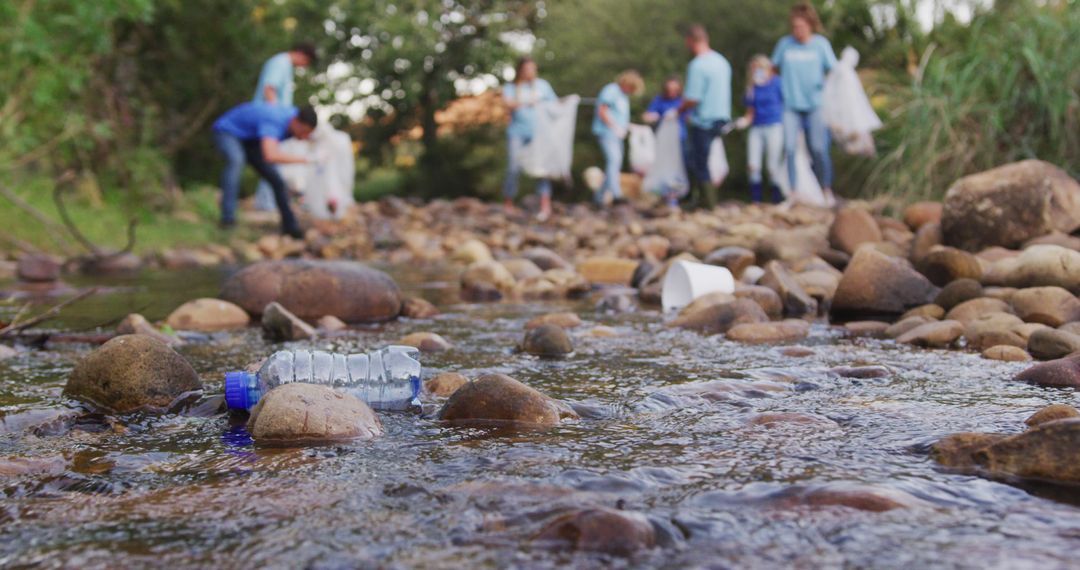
{"points": [[643, 148], [846, 108], [327, 184], [807, 190], [718, 164], [668, 173], [551, 151]]}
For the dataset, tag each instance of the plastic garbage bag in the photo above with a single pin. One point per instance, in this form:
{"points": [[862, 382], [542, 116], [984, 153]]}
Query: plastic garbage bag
{"points": [[668, 173], [551, 151], [718, 164], [847, 109], [807, 190], [326, 184], [642, 148]]}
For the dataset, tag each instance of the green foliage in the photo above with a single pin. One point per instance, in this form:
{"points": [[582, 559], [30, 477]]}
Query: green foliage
{"points": [[1005, 89]]}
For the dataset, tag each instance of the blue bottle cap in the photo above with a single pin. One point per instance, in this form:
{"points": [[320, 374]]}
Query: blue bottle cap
{"points": [[238, 390]]}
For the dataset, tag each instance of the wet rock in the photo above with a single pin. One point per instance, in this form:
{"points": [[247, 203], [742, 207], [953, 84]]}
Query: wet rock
{"points": [[705, 301], [311, 413], [943, 265], [1046, 452], [133, 372], [1051, 306], [976, 308], [736, 259], [1073, 327], [655, 247], [831, 495], [903, 326], [940, 334], [995, 329], [958, 450], [645, 268], [958, 292], [565, 320], [602, 332], [931, 311], [445, 384], [21, 466], [598, 529], [821, 285], [1038, 266], [773, 332], [7, 352], [426, 342], [766, 298], [498, 398], [38, 268], [137, 324], [553, 284], [615, 303], [719, 318], [1061, 373], [1052, 413], [919, 214], [40, 422], [417, 308], [522, 268], [1051, 344], [311, 289], [207, 315], [472, 251], [852, 227], [608, 270], [791, 245], [861, 372], [546, 259], [330, 323], [875, 283], [483, 277], [797, 302], [775, 419], [547, 340], [279, 325], [1006, 353], [1009, 205], [926, 238], [873, 329]]}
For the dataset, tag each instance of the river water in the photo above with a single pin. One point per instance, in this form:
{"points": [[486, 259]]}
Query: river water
{"points": [[665, 431]]}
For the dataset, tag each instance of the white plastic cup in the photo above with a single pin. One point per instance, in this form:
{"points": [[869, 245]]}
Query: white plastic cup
{"points": [[686, 281]]}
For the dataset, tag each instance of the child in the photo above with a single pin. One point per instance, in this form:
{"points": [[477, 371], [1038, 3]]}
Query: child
{"points": [[610, 126], [764, 116]]}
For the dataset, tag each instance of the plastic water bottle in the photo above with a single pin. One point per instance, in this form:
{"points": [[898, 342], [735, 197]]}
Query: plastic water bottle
{"points": [[387, 379]]}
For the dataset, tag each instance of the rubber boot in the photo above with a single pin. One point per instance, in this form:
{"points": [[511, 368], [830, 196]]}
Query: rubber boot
{"points": [[755, 192], [777, 195]]}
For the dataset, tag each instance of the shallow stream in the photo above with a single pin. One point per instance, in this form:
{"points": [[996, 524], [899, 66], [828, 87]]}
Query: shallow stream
{"points": [[664, 431]]}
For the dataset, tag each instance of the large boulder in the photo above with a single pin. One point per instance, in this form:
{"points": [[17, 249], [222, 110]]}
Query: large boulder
{"points": [[876, 284], [311, 289], [499, 399], [303, 413], [1061, 373], [1045, 452], [1009, 205], [133, 372], [207, 315]]}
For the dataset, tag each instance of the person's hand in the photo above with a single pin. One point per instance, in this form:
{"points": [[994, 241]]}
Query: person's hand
{"points": [[619, 132], [651, 117], [742, 123], [671, 114]]}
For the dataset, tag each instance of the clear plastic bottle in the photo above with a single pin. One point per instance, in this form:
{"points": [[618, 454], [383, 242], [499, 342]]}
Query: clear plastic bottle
{"points": [[387, 379]]}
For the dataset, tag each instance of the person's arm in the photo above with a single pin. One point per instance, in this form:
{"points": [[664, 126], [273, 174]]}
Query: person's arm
{"points": [[270, 95], [829, 57], [694, 90], [272, 153], [687, 106], [605, 116], [512, 100]]}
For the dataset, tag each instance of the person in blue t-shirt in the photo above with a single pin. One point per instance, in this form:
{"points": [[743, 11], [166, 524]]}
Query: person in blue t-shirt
{"points": [[522, 96], [804, 58], [275, 87], [670, 98], [708, 100], [611, 123], [250, 132], [764, 117]]}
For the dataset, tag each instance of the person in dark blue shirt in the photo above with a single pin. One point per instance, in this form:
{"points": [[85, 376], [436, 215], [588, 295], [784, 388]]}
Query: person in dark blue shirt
{"points": [[764, 116], [250, 132], [670, 98]]}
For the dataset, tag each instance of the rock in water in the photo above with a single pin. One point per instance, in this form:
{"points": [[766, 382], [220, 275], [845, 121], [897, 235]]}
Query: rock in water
{"points": [[1061, 373], [564, 320], [1009, 205], [499, 399], [302, 413], [1046, 452], [417, 308], [426, 342], [547, 340], [38, 268], [137, 324], [1050, 344], [759, 333], [445, 384], [620, 533], [719, 318], [311, 289], [207, 315], [280, 325], [133, 372], [939, 334], [958, 450], [876, 284], [1052, 413]]}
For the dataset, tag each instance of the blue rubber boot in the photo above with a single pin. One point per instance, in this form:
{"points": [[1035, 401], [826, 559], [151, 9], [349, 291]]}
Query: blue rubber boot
{"points": [[755, 192]]}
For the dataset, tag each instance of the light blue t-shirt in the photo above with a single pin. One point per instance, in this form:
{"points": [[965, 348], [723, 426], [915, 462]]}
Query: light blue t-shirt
{"points": [[256, 121], [277, 72], [618, 105], [524, 118], [802, 70], [708, 81]]}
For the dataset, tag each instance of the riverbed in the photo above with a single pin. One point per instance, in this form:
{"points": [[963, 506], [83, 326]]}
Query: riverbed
{"points": [[667, 429]]}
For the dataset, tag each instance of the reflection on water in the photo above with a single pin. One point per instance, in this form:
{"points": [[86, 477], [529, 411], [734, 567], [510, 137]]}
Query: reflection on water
{"points": [[671, 427]]}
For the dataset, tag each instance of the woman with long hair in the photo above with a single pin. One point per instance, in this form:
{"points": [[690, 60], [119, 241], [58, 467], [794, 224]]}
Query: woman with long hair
{"points": [[522, 96]]}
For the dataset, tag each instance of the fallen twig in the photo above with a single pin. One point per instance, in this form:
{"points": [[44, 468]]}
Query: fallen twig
{"points": [[58, 191], [52, 312]]}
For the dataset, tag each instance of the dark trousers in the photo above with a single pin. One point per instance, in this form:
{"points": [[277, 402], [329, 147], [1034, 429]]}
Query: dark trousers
{"points": [[236, 152], [700, 141]]}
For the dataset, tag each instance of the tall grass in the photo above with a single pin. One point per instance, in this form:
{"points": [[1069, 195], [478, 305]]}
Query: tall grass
{"points": [[1004, 89]]}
